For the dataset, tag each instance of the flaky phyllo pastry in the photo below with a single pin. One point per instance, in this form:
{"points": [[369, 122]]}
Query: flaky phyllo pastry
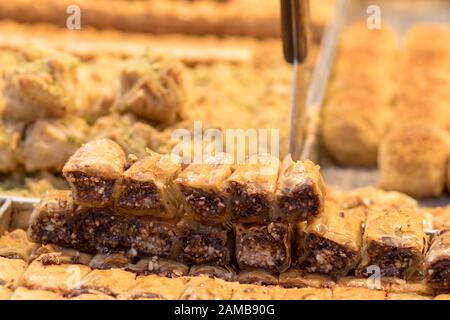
{"points": [[152, 87]]}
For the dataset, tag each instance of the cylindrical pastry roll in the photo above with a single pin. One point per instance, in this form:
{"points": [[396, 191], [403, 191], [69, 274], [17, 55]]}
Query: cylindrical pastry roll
{"points": [[205, 244], [437, 261], [201, 189], [331, 242], [264, 246], [413, 160], [300, 190], [251, 189], [152, 87], [93, 171], [350, 131], [49, 143], [394, 241], [146, 188]]}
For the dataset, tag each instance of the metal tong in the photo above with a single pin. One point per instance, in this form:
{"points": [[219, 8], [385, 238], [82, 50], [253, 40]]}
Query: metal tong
{"points": [[295, 28]]}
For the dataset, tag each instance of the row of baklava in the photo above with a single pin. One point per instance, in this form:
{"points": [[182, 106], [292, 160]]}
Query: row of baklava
{"points": [[390, 106], [57, 273]]}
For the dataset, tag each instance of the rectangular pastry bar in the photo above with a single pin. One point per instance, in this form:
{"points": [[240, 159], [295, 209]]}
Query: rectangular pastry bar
{"points": [[394, 241], [437, 261], [331, 242], [300, 190], [201, 189], [15, 245], [146, 188], [93, 170], [205, 244], [264, 246], [56, 220], [251, 188]]}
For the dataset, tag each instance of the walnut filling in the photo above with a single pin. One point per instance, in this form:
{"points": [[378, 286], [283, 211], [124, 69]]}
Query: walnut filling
{"points": [[205, 248], [439, 274], [140, 196], [393, 261], [90, 189], [264, 248], [325, 256], [207, 205], [101, 231], [302, 203], [245, 204]]}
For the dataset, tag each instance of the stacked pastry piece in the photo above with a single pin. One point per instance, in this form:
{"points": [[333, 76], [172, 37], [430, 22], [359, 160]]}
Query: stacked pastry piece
{"points": [[414, 155], [202, 214], [357, 109]]}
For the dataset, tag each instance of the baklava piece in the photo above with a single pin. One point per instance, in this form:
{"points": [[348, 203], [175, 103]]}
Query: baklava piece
{"points": [[93, 171], [152, 87], [146, 188], [259, 277], [53, 254], [205, 244], [15, 245], [5, 293], [252, 292], [137, 236], [201, 189], [300, 190], [440, 217], [347, 293], [437, 261], [302, 294], [132, 135], [413, 160], [224, 273], [48, 143], [251, 189], [62, 278], [52, 221], [22, 293], [155, 288], [350, 132], [11, 271], [160, 266], [43, 87], [112, 282], [331, 242], [394, 241], [204, 288], [264, 246], [294, 278]]}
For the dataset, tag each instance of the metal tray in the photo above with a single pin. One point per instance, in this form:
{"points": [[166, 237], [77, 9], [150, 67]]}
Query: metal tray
{"points": [[400, 15]]}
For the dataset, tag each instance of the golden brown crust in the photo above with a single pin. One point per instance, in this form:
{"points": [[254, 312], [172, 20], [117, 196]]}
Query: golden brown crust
{"points": [[15, 244], [302, 294], [346, 293], [11, 271], [155, 288], [5, 293], [22, 293], [204, 288], [252, 292], [112, 282]]}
